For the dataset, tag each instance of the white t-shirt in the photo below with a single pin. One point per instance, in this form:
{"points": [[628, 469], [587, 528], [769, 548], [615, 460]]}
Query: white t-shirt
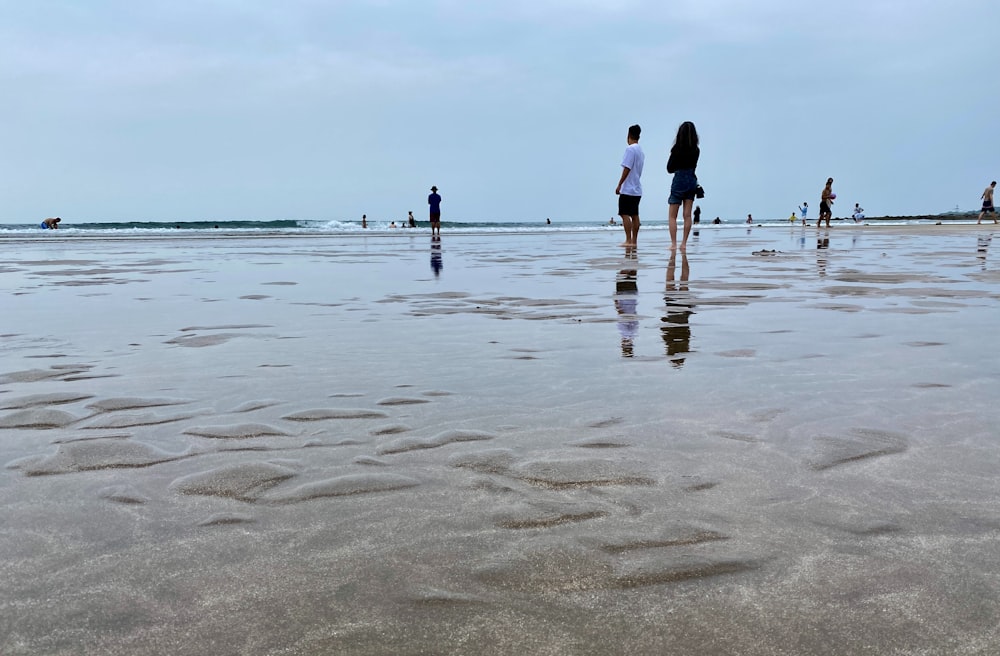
{"points": [[632, 160]]}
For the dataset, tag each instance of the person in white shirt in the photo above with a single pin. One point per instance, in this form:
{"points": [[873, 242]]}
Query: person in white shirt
{"points": [[629, 189]]}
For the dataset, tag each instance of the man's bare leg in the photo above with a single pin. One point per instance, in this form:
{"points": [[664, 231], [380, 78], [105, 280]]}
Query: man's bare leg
{"points": [[627, 227]]}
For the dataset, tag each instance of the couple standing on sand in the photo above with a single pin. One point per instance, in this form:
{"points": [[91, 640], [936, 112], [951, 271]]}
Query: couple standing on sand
{"points": [[682, 163]]}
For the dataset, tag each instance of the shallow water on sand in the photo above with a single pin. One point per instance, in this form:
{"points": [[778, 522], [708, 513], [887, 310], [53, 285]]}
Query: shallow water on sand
{"points": [[783, 442]]}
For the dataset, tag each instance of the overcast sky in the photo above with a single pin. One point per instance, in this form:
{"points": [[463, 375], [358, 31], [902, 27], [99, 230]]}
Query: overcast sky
{"points": [[516, 109]]}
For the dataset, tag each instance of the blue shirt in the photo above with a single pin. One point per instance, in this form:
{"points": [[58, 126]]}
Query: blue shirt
{"points": [[435, 202]]}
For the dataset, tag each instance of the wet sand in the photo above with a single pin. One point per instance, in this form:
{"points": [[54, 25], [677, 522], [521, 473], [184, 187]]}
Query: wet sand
{"points": [[784, 443]]}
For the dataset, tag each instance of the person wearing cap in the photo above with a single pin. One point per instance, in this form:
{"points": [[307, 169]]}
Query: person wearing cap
{"points": [[50, 224], [434, 200]]}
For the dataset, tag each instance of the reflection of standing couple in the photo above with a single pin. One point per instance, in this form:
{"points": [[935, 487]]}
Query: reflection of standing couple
{"points": [[675, 326]]}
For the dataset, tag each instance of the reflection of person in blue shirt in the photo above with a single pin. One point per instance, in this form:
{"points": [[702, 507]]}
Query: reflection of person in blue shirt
{"points": [[436, 263]]}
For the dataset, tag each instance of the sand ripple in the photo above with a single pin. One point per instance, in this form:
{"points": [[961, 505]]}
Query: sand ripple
{"points": [[33, 400], [401, 400], [37, 418], [132, 403], [122, 494], [441, 439], [547, 515], [580, 473], [320, 414], [245, 482], [236, 431], [864, 444], [95, 454], [135, 419], [350, 484]]}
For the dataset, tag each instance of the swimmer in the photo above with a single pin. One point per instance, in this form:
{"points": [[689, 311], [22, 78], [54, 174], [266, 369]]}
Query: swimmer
{"points": [[50, 224]]}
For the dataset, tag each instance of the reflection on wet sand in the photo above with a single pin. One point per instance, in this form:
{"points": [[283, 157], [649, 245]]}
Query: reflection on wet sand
{"points": [[676, 327], [626, 300], [436, 263], [981, 248], [822, 245]]}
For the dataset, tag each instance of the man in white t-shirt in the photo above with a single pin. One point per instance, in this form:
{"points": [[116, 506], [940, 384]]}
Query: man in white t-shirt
{"points": [[629, 189]]}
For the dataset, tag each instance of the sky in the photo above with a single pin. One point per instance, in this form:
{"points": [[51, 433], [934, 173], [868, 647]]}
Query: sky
{"points": [[518, 110]]}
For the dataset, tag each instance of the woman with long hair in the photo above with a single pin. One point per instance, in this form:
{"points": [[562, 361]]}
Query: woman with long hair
{"points": [[682, 163]]}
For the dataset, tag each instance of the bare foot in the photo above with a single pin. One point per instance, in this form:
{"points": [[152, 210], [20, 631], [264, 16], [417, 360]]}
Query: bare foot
{"points": [[684, 246], [673, 246]]}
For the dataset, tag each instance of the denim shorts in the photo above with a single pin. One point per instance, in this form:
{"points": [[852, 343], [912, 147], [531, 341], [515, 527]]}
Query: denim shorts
{"points": [[683, 187]]}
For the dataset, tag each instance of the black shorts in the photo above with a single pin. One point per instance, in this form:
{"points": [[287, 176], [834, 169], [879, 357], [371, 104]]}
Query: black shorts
{"points": [[628, 205], [824, 208], [435, 217]]}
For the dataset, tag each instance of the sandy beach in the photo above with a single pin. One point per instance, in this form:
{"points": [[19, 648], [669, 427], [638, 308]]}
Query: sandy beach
{"points": [[782, 442]]}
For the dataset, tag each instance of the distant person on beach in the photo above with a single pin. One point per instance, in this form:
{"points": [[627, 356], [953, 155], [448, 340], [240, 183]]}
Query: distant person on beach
{"points": [[697, 214], [804, 211], [859, 213], [548, 221], [682, 163], [412, 221], [749, 219], [50, 224], [825, 203], [434, 200], [717, 221], [364, 220], [987, 204], [629, 189], [392, 225], [792, 218]]}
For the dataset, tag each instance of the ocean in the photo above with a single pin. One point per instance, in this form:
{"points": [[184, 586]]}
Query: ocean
{"points": [[304, 227]]}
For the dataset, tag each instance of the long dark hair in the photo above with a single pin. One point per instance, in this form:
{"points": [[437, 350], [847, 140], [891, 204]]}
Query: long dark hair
{"points": [[687, 136]]}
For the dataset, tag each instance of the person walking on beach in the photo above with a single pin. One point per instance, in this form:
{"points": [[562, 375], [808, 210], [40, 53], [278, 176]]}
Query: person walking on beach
{"points": [[434, 200], [682, 163], [629, 189], [987, 203], [825, 201], [804, 211], [50, 224]]}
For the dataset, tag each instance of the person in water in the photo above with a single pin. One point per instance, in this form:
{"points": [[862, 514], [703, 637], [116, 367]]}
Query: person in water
{"points": [[50, 224]]}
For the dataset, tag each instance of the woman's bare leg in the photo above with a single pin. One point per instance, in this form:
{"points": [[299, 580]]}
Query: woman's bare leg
{"points": [[688, 204], [672, 224]]}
